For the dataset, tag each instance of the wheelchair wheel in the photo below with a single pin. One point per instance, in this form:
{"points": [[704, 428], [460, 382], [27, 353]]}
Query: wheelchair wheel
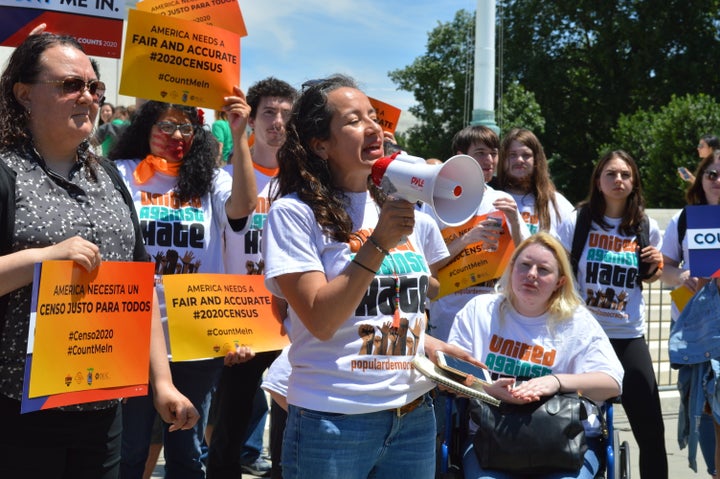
{"points": [[624, 461]]}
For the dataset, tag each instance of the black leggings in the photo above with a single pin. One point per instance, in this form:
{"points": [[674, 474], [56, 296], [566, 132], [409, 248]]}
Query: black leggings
{"points": [[641, 402], [234, 397], [278, 418]]}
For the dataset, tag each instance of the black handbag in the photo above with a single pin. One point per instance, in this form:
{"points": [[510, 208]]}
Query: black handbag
{"points": [[539, 437]]}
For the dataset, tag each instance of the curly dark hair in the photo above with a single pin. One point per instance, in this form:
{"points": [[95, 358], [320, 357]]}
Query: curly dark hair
{"points": [[198, 167], [269, 87], [634, 204], [302, 171], [24, 66]]}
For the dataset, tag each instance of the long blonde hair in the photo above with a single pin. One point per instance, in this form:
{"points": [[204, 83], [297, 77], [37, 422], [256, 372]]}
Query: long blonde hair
{"points": [[564, 301]]}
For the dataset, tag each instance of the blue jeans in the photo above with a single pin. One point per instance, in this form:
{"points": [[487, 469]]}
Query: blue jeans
{"points": [[380, 445], [196, 380], [594, 457]]}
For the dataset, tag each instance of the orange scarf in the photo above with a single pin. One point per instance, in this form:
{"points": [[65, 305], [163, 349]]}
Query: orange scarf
{"points": [[147, 168]]}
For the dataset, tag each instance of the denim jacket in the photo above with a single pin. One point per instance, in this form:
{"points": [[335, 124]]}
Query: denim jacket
{"points": [[694, 342], [695, 336], [691, 380]]}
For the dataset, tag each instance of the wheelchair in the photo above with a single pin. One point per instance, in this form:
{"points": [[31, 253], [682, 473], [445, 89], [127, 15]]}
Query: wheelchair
{"points": [[617, 454]]}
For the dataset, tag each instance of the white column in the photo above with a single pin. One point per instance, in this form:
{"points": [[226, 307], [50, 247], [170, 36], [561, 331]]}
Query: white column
{"points": [[484, 83]]}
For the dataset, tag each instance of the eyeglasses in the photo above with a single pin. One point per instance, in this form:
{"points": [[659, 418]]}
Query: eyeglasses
{"points": [[73, 85], [168, 127], [711, 175]]}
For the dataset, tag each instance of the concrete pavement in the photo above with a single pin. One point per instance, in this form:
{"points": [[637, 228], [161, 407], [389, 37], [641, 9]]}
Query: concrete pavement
{"points": [[677, 459]]}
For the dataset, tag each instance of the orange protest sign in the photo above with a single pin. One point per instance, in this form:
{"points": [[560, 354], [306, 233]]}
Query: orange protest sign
{"points": [[179, 61], [681, 295], [91, 330], [387, 114], [210, 315], [473, 265], [218, 13]]}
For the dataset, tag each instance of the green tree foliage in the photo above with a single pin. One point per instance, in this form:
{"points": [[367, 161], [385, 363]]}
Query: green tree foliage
{"points": [[589, 62], [439, 80], [663, 140], [585, 64], [442, 82], [518, 108]]}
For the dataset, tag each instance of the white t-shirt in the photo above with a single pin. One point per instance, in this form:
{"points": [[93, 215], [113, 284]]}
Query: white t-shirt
{"points": [[362, 368], [526, 206], [607, 276], [520, 346], [671, 248], [443, 310], [180, 237], [242, 250], [278, 374]]}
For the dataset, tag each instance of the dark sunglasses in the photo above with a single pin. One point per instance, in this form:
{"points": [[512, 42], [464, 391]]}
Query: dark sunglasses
{"points": [[311, 83], [72, 85], [711, 175], [168, 127]]}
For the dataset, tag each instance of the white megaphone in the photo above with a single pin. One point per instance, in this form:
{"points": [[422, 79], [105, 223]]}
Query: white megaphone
{"points": [[453, 190]]}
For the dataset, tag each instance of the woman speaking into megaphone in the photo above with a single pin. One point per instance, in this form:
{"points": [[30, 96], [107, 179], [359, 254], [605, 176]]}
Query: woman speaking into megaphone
{"points": [[356, 296]]}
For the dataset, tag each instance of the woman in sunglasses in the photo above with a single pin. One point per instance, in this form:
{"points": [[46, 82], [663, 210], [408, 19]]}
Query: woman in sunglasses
{"points": [[704, 190], [185, 204], [60, 203]]}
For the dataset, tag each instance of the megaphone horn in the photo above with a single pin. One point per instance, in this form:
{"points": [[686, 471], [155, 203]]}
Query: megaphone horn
{"points": [[453, 190]]}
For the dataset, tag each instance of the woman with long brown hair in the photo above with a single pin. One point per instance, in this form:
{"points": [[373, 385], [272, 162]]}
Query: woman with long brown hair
{"points": [[523, 171], [610, 269]]}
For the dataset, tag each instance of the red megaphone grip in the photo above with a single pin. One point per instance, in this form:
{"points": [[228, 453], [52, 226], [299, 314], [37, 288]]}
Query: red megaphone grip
{"points": [[379, 168]]}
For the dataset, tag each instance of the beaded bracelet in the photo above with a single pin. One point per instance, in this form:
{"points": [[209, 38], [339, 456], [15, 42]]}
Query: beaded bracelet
{"points": [[377, 246]]}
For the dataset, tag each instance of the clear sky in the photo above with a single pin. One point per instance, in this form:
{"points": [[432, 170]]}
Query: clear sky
{"points": [[298, 40]]}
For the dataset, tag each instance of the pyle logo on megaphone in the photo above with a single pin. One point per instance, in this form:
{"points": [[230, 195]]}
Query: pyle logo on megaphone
{"points": [[453, 190]]}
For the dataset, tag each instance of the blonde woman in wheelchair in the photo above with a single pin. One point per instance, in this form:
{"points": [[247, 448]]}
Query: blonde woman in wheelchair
{"points": [[537, 323]]}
